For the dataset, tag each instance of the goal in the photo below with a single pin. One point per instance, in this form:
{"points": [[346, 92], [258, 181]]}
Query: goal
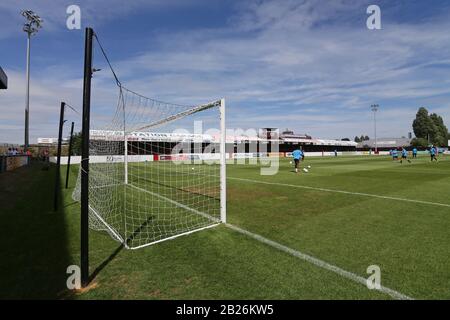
{"points": [[150, 178]]}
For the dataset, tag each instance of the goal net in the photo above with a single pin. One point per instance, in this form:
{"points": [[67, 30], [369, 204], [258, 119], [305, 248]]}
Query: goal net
{"points": [[156, 170]]}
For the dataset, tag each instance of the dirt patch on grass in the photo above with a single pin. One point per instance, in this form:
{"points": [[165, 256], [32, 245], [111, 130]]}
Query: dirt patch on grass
{"points": [[69, 294], [155, 294], [212, 193], [91, 286], [189, 280]]}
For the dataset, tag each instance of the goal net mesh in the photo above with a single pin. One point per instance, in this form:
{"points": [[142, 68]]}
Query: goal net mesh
{"points": [[154, 169]]}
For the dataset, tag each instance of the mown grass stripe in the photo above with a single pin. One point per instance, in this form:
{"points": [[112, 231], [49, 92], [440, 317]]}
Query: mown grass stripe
{"points": [[342, 192]]}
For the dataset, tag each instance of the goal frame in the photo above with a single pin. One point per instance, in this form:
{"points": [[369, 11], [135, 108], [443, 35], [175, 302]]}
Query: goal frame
{"points": [[222, 162]]}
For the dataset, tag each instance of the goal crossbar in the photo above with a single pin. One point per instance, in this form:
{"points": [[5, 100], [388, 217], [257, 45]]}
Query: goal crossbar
{"points": [[181, 115]]}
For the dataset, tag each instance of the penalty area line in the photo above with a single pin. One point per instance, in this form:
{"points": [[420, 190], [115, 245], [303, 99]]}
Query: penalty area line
{"points": [[319, 263], [343, 192]]}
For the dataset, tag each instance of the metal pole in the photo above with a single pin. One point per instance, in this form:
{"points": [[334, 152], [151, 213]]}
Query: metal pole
{"points": [[223, 167], [374, 108], [27, 98], [85, 158], [126, 157], [58, 156], [68, 156], [31, 26], [375, 121]]}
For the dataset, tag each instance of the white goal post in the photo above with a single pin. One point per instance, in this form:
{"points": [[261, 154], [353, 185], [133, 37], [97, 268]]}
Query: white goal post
{"points": [[150, 178]]}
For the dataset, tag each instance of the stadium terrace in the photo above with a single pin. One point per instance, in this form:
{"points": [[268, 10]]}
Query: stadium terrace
{"points": [[286, 144]]}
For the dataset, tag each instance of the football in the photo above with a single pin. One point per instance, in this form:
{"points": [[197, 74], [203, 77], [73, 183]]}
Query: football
{"points": [[305, 170]]}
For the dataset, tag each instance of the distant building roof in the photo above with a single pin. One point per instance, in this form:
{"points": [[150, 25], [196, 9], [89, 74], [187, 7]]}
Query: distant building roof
{"points": [[289, 134], [180, 137], [48, 141], [386, 143]]}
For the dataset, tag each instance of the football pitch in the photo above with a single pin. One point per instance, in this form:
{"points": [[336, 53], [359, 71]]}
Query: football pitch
{"points": [[290, 236]]}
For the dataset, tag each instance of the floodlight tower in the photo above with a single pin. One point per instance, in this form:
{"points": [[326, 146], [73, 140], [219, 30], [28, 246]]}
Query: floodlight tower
{"points": [[374, 108], [31, 27]]}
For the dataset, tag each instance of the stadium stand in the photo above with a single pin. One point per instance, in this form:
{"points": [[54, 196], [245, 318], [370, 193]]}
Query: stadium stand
{"points": [[385, 144]]}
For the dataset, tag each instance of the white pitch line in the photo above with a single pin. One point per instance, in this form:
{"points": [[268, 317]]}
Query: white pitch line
{"points": [[113, 231], [344, 192], [319, 263]]}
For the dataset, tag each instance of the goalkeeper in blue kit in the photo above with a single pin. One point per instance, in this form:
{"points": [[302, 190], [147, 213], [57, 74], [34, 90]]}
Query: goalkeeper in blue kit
{"points": [[297, 155]]}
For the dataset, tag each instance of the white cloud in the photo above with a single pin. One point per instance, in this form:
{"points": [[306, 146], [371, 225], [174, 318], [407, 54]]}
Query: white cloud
{"points": [[44, 108], [93, 13], [302, 64]]}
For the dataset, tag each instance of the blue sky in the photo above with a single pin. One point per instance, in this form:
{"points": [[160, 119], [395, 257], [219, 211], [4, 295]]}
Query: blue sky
{"points": [[311, 66]]}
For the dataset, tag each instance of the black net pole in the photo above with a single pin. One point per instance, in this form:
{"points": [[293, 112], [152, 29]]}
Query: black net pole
{"points": [[85, 158], [69, 155], [58, 156]]}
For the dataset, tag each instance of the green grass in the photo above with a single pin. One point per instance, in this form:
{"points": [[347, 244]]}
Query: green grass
{"points": [[409, 241]]}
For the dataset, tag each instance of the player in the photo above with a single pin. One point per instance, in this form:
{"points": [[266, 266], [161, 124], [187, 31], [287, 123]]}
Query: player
{"points": [[394, 154], [433, 153], [404, 156], [414, 152], [297, 154]]}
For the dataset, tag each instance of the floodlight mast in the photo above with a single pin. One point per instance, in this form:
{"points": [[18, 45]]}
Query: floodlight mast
{"points": [[374, 108], [31, 27]]}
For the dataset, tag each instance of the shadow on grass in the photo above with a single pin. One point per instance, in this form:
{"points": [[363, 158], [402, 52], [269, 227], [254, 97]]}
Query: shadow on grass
{"points": [[98, 269], [109, 259], [40, 243], [70, 204], [34, 254]]}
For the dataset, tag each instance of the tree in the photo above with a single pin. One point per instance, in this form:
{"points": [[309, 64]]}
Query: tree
{"points": [[439, 137], [422, 124], [430, 128], [362, 138], [345, 139], [419, 142], [76, 143]]}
